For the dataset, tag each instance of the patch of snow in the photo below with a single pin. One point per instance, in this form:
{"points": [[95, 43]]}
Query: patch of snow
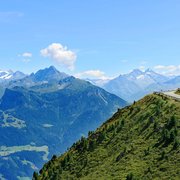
{"points": [[8, 76], [101, 96], [140, 77]]}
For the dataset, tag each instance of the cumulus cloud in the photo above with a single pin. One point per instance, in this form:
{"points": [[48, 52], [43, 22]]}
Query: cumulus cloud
{"points": [[26, 60], [27, 55], [60, 54], [170, 70], [92, 74]]}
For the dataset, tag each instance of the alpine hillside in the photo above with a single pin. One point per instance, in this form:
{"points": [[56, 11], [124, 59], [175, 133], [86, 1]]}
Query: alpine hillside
{"points": [[140, 141]]}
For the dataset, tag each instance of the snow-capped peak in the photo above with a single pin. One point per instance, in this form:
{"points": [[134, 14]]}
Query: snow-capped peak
{"points": [[136, 72], [10, 75], [5, 74]]}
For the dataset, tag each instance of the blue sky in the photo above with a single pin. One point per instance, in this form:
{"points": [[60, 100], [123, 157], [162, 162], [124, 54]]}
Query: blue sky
{"points": [[96, 38]]}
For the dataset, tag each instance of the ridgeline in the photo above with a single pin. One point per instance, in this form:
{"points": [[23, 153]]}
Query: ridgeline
{"points": [[140, 141]]}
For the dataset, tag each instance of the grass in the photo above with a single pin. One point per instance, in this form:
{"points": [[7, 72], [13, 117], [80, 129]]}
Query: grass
{"points": [[140, 141]]}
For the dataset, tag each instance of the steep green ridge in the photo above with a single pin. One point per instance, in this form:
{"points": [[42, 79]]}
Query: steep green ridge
{"points": [[139, 142]]}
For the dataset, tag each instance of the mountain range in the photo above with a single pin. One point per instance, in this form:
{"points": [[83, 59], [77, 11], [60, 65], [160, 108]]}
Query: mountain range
{"points": [[10, 75], [136, 84], [131, 86], [6, 77], [43, 113]]}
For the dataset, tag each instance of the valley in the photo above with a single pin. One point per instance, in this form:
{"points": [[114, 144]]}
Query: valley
{"points": [[43, 114]]}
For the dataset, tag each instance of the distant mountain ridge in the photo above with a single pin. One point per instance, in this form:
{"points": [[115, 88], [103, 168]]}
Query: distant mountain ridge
{"points": [[44, 113], [131, 86], [7, 77], [43, 76], [48, 74], [136, 84], [10, 75]]}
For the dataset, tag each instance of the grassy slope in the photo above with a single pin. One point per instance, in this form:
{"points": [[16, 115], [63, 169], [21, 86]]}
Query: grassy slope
{"points": [[140, 141]]}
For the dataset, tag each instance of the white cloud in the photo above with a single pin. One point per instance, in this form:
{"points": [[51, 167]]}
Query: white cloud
{"points": [[170, 70], [92, 74], [27, 55], [60, 54]]}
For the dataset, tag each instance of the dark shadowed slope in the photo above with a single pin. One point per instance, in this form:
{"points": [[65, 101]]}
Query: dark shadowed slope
{"points": [[45, 119]]}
